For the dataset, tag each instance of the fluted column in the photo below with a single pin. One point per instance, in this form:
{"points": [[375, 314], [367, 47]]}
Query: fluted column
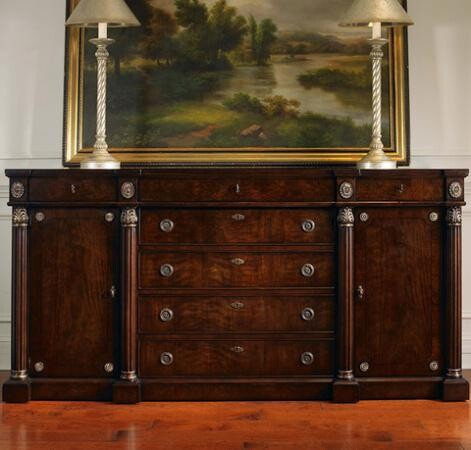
{"points": [[17, 389], [127, 390], [345, 388], [455, 387]]}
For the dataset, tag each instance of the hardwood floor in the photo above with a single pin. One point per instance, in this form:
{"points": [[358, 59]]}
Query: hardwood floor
{"points": [[236, 425]]}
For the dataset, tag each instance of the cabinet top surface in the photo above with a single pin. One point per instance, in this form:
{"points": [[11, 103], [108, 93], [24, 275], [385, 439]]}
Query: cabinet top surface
{"points": [[246, 171]]}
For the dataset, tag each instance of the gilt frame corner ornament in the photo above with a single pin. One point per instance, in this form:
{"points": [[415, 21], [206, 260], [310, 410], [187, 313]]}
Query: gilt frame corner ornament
{"points": [[134, 154]]}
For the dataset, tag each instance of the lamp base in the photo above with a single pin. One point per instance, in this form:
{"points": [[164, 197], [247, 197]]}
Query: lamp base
{"points": [[377, 159], [100, 161]]}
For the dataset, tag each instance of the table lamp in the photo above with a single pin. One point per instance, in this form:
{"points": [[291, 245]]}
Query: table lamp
{"points": [[375, 14], [101, 14]]}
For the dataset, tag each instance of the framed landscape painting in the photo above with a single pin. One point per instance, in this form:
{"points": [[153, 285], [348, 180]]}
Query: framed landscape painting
{"points": [[236, 82]]}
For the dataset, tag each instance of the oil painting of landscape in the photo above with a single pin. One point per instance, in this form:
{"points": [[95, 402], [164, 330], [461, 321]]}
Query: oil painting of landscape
{"points": [[232, 75]]}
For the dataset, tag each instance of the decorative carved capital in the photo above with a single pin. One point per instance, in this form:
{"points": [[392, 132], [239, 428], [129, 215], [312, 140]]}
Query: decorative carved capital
{"points": [[129, 217], [453, 216], [346, 190], [128, 375], [128, 190], [20, 217], [345, 217], [17, 189], [19, 374], [455, 190]]}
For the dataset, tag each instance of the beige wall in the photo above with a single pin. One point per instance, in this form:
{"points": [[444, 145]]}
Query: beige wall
{"points": [[31, 91]]}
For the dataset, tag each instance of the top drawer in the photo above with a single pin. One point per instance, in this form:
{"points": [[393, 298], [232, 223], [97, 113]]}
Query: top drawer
{"points": [[239, 190], [400, 189], [71, 189]]}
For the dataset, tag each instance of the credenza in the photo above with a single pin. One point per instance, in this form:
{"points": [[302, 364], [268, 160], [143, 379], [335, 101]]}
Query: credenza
{"points": [[236, 284]]}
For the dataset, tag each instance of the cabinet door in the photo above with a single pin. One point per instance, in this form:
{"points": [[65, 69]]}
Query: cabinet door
{"points": [[73, 269], [398, 319]]}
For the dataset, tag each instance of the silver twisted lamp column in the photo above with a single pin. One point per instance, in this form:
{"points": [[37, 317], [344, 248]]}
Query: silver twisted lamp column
{"points": [[375, 13], [101, 14]]}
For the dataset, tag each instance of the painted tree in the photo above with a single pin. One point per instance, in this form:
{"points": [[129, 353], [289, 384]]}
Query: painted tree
{"points": [[266, 37], [129, 39], [158, 44]]}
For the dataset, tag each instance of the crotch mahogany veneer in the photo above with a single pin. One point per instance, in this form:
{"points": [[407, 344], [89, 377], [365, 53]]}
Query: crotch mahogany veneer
{"points": [[236, 284]]}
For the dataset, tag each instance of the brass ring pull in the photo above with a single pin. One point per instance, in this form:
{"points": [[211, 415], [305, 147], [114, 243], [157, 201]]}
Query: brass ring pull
{"points": [[166, 270], [166, 358], [166, 315], [238, 261], [237, 349]]}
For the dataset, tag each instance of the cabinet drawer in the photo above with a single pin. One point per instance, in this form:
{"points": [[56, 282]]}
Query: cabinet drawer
{"points": [[235, 269], [400, 188], [65, 189], [263, 189], [235, 357], [236, 314], [236, 226]]}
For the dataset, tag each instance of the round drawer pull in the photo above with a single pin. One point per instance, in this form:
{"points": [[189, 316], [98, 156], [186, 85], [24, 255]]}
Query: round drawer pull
{"points": [[166, 358], [38, 366], [307, 358], [166, 225], [237, 349], [238, 217], [434, 366], [307, 314], [364, 367], [109, 367], [308, 226], [166, 315], [307, 270], [166, 270]]}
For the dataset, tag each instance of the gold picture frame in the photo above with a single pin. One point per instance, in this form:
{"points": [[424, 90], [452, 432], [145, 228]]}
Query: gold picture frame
{"points": [[74, 151]]}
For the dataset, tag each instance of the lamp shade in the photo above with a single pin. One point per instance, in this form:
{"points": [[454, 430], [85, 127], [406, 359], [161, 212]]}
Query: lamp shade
{"points": [[115, 13], [389, 13]]}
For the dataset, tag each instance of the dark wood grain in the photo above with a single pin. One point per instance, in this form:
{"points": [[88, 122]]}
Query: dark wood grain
{"points": [[73, 188], [236, 187], [218, 269], [237, 239], [235, 357], [400, 188], [398, 324], [213, 226], [203, 313], [72, 312]]}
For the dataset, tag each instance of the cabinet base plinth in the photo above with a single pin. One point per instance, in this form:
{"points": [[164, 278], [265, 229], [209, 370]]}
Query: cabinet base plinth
{"points": [[16, 391], [346, 391], [126, 392], [455, 390]]}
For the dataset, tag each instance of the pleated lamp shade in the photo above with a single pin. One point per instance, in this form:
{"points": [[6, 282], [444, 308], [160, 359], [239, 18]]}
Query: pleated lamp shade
{"points": [[115, 13], [389, 13]]}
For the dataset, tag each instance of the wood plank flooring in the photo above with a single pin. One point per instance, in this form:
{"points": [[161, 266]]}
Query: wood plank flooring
{"points": [[236, 425]]}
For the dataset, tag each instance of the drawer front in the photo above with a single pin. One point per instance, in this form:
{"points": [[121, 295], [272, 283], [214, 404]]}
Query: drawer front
{"points": [[236, 226], [235, 357], [52, 189], [236, 314], [401, 188], [235, 189], [235, 269]]}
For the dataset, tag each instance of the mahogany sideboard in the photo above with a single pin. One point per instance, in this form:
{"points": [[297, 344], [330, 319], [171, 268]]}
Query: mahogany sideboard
{"points": [[236, 284]]}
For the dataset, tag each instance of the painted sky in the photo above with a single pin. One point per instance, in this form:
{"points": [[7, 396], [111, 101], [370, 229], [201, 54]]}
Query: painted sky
{"points": [[293, 15]]}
